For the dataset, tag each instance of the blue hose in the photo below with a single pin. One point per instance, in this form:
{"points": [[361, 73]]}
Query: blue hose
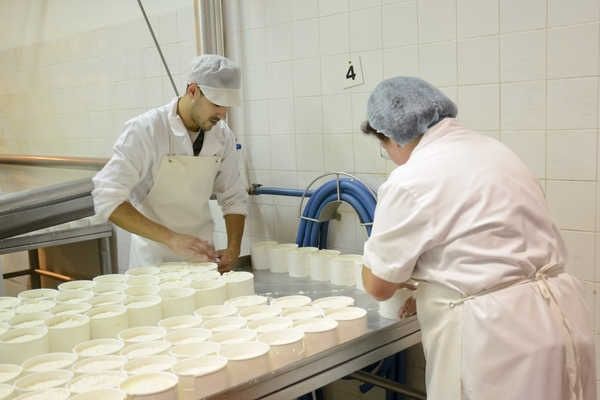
{"points": [[356, 194]]}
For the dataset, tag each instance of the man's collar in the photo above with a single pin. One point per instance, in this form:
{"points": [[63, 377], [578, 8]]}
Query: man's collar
{"points": [[175, 120]]}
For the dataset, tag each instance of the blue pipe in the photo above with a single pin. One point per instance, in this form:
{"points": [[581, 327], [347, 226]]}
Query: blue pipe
{"points": [[281, 192]]}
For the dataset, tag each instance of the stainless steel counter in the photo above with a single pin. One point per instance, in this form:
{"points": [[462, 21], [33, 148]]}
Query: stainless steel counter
{"points": [[384, 338]]}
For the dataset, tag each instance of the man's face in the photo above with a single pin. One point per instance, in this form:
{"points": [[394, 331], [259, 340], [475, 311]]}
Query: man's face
{"points": [[204, 113]]}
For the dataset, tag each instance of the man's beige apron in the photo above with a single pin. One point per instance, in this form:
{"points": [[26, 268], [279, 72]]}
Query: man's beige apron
{"points": [[526, 340], [179, 201]]}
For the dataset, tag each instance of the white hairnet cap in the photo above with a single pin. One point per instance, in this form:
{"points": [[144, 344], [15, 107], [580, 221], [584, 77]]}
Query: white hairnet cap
{"points": [[219, 79], [403, 108]]}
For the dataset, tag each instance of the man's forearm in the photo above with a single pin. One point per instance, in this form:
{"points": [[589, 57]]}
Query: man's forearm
{"points": [[234, 223], [129, 218]]}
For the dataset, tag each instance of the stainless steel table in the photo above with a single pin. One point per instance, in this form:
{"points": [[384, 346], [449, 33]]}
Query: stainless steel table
{"points": [[384, 338], [36, 240]]}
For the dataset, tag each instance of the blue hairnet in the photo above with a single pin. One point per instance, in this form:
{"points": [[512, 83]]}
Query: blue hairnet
{"points": [[403, 108]]}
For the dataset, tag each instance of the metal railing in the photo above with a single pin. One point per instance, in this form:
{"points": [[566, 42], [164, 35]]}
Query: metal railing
{"points": [[89, 163]]}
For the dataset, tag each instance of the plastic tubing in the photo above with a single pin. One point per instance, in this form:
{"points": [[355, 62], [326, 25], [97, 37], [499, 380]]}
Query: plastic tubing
{"points": [[355, 193]]}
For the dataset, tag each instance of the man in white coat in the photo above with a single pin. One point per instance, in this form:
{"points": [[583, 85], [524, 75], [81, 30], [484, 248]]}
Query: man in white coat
{"points": [[462, 215], [167, 163]]}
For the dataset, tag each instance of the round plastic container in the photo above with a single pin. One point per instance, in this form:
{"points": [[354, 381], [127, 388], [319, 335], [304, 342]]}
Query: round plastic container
{"points": [[17, 345], [352, 322], [108, 321], [194, 350], [143, 271], [245, 361], [239, 283], [98, 347], [104, 394], [146, 349], [333, 302], [110, 278], [144, 365], [97, 364], [206, 375], [29, 320], [178, 301], [260, 254], [66, 331], [71, 309], [270, 324], [298, 261], [216, 311], [210, 292], [278, 257], [144, 310], [99, 380], [142, 334], [224, 324], [76, 285], [320, 264], [287, 345], [9, 372], [319, 334], [237, 336], [49, 362], [291, 301], [43, 380], [180, 322], [188, 335], [151, 386]]}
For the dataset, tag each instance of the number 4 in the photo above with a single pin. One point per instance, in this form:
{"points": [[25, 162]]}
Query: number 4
{"points": [[350, 74]]}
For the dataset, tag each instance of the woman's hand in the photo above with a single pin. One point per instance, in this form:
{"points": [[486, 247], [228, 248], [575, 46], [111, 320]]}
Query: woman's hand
{"points": [[408, 309]]}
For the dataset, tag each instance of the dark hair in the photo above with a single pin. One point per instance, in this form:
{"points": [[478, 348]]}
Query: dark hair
{"points": [[367, 129]]}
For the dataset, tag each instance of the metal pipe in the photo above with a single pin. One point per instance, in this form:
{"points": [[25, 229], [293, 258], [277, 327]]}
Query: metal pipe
{"points": [[91, 163], [54, 275], [388, 384], [210, 19], [158, 48]]}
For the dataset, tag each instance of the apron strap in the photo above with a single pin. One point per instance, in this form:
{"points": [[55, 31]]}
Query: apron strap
{"points": [[540, 278]]}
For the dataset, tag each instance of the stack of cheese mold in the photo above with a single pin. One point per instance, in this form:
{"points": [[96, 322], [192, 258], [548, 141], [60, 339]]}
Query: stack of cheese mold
{"points": [[121, 335]]}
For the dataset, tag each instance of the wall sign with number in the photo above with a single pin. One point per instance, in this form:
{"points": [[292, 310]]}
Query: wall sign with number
{"points": [[353, 73]]}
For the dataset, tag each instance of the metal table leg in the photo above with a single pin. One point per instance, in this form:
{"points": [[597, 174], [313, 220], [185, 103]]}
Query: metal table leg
{"points": [[105, 255], [34, 264]]}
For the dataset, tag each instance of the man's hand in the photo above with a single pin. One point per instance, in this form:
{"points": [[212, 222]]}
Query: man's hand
{"points": [[191, 248], [227, 257]]}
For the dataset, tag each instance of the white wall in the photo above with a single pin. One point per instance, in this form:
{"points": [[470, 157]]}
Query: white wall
{"points": [[72, 72], [525, 72]]}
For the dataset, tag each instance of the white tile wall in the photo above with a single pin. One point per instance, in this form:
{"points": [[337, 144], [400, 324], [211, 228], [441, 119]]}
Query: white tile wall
{"points": [[563, 12], [572, 103], [477, 18], [573, 51], [525, 72], [572, 155], [517, 15], [523, 56], [478, 106], [478, 60], [437, 20], [363, 36], [523, 105], [399, 24]]}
